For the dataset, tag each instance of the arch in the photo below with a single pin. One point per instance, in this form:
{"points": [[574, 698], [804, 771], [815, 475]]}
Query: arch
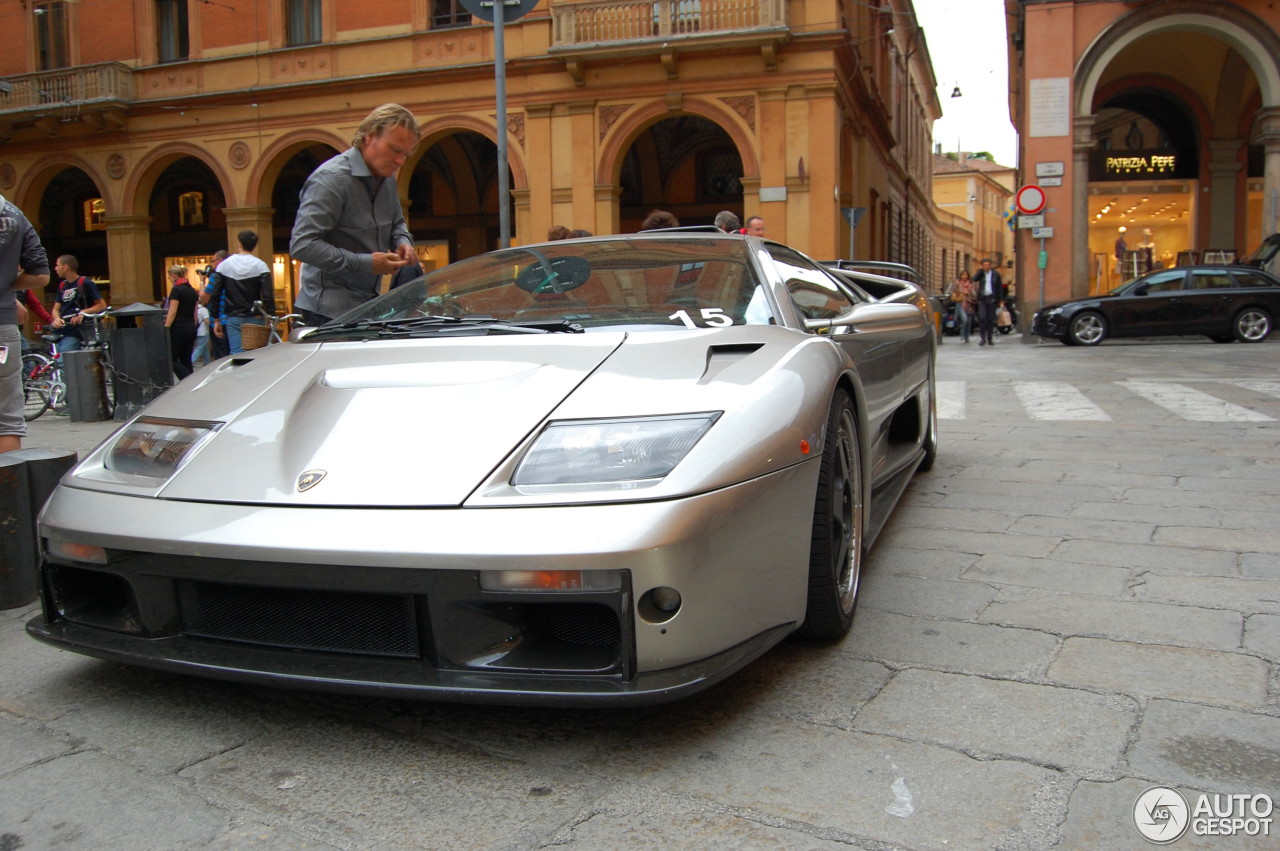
{"points": [[624, 134], [1203, 121], [438, 128], [36, 179], [137, 194], [1250, 37], [272, 161]]}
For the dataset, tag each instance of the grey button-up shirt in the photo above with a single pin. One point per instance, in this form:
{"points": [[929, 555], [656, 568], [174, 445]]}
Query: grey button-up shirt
{"points": [[346, 214], [19, 246]]}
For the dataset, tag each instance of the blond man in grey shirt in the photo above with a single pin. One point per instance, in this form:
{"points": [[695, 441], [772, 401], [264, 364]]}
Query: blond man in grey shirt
{"points": [[350, 228]]}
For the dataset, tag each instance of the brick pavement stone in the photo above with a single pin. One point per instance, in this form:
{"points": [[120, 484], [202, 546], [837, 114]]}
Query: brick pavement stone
{"points": [[1262, 635], [1233, 540], [1242, 595], [913, 561], [1051, 574], [1157, 623], [864, 787], [935, 598], [1100, 818], [99, 808], [1260, 565], [1169, 559], [1049, 725], [970, 542], [1219, 750], [899, 640], [1121, 531], [1149, 670]]}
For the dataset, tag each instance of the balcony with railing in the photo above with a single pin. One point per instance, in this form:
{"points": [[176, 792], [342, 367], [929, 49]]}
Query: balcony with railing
{"points": [[604, 25], [88, 89]]}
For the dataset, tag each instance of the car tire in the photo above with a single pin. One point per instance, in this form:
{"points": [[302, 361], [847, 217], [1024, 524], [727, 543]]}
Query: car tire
{"points": [[1087, 329], [839, 520], [930, 442], [1251, 325]]}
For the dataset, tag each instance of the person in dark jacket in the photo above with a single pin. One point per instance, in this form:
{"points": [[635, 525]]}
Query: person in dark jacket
{"points": [[238, 282]]}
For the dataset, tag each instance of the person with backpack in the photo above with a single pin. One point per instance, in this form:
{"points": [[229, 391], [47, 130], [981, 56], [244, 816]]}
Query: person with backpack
{"points": [[241, 279], [76, 295]]}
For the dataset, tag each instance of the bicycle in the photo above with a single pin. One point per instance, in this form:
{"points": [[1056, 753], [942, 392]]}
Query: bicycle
{"points": [[43, 383], [274, 322]]}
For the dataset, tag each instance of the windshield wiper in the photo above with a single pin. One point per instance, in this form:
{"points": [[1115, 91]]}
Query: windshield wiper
{"points": [[423, 325]]}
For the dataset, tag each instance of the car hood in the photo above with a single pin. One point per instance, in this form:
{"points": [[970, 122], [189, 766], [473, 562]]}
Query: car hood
{"points": [[440, 423], [389, 424]]}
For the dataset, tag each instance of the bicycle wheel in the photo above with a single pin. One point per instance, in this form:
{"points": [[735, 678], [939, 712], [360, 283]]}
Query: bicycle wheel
{"points": [[36, 372]]}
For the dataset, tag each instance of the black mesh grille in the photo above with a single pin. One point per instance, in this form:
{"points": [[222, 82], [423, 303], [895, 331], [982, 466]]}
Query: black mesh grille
{"points": [[584, 623], [337, 621]]}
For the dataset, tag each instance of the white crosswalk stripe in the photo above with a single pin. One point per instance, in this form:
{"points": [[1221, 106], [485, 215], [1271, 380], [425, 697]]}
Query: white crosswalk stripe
{"points": [[1271, 388], [1062, 401], [1055, 400], [1191, 404]]}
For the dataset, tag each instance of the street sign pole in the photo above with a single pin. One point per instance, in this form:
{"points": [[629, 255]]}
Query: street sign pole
{"points": [[500, 82], [498, 13]]}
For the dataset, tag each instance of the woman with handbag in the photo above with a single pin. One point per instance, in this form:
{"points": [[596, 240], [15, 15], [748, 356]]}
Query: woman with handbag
{"points": [[965, 298]]}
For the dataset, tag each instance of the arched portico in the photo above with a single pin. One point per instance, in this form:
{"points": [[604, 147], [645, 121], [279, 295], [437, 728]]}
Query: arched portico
{"points": [[1250, 52]]}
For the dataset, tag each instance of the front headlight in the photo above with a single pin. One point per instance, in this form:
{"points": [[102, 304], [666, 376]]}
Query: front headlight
{"points": [[616, 452], [157, 448]]}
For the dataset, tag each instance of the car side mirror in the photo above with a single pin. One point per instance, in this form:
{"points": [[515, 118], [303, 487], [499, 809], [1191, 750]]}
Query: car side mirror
{"points": [[1142, 290], [880, 316]]}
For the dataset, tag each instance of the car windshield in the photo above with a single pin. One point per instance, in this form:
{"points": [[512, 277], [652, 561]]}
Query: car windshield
{"points": [[572, 286]]}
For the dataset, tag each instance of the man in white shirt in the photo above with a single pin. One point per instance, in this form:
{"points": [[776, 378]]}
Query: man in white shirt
{"points": [[991, 291]]}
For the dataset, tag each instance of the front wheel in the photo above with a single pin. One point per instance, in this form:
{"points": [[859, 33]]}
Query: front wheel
{"points": [[1252, 325], [36, 373], [836, 542], [1087, 329]]}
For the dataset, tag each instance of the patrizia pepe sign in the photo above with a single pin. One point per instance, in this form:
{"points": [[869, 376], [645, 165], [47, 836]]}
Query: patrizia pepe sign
{"points": [[1130, 165]]}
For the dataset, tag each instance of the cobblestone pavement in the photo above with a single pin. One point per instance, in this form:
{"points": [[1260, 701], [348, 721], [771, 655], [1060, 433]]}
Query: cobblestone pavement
{"points": [[1079, 602]]}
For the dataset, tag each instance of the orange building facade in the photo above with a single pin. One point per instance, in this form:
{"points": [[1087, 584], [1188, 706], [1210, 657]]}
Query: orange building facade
{"points": [[1154, 129], [138, 133]]}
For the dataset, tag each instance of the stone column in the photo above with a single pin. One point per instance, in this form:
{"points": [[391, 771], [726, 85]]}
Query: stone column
{"points": [[1224, 168], [1081, 148], [256, 219], [1267, 134], [129, 260]]}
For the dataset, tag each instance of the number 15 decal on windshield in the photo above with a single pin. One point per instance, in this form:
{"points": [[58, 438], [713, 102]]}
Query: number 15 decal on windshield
{"points": [[713, 317]]}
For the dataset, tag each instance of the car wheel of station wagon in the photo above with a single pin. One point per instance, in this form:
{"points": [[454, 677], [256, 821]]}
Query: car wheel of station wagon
{"points": [[1252, 325], [835, 553], [1087, 329]]}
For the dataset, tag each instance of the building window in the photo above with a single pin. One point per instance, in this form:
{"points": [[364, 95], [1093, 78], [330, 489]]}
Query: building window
{"points": [[95, 212], [171, 30], [304, 21], [449, 13], [51, 35]]}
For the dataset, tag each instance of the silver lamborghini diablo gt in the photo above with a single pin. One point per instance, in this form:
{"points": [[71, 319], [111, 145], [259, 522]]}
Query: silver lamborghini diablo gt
{"points": [[600, 471]]}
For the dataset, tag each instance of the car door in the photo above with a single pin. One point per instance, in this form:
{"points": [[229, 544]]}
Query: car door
{"points": [[1210, 302], [816, 294], [1151, 306]]}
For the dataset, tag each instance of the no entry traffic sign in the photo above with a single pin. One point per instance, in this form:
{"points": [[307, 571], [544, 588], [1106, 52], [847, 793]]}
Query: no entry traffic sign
{"points": [[1030, 200]]}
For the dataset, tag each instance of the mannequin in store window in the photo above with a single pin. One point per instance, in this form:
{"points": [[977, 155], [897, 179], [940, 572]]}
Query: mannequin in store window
{"points": [[1147, 249], [1122, 248]]}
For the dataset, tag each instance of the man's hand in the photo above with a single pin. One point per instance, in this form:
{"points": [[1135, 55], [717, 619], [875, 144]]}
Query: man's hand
{"points": [[57, 322], [77, 319], [407, 253], [217, 329], [384, 262]]}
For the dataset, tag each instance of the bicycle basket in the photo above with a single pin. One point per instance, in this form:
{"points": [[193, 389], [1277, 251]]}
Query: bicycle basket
{"points": [[254, 336]]}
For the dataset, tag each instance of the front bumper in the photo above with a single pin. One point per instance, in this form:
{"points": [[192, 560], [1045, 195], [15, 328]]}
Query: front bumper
{"points": [[1045, 324], [390, 602]]}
